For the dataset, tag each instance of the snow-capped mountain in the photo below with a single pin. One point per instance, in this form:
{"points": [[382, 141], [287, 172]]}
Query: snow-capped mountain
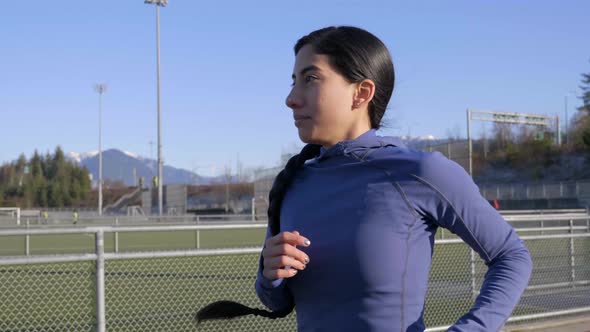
{"points": [[77, 157], [422, 142], [127, 167], [418, 138]]}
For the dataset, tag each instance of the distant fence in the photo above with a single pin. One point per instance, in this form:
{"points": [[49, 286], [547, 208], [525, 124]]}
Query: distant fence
{"points": [[456, 150], [578, 190], [60, 218], [161, 290]]}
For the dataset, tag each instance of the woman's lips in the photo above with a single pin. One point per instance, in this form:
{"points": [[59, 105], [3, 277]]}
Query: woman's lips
{"points": [[299, 119]]}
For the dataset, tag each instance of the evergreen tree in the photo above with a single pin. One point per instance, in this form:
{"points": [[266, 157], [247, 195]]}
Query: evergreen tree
{"points": [[49, 180], [586, 90], [21, 162], [55, 197], [581, 128], [36, 165], [41, 194]]}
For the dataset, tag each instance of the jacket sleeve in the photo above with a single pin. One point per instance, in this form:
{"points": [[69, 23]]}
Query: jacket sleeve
{"points": [[457, 205], [274, 294]]}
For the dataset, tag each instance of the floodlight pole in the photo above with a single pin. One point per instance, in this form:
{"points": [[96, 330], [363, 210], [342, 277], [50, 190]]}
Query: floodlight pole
{"points": [[159, 3], [469, 142], [100, 88]]}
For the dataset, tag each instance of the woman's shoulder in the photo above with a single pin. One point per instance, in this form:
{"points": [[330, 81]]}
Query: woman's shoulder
{"points": [[399, 158]]}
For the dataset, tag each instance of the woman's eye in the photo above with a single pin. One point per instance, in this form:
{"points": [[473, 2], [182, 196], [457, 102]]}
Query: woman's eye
{"points": [[310, 78]]}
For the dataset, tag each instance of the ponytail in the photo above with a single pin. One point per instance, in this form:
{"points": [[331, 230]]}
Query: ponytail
{"points": [[229, 309]]}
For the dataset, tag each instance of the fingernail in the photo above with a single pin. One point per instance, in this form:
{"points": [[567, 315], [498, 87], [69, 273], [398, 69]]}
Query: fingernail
{"points": [[306, 242], [306, 260], [304, 266], [294, 271]]}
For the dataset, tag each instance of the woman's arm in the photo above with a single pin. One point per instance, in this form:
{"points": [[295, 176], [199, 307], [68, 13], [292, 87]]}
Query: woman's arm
{"points": [[273, 294], [279, 259], [459, 207]]}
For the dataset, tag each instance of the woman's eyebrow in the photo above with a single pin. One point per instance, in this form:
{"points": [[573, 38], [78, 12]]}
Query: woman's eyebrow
{"points": [[305, 70]]}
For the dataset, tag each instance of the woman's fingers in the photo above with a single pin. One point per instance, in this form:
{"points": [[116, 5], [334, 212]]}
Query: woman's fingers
{"points": [[273, 274], [284, 244], [281, 257], [292, 238], [285, 250], [280, 262]]}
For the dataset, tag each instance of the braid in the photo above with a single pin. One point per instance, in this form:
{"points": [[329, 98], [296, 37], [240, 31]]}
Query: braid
{"points": [[283, 181], [230, 309]]}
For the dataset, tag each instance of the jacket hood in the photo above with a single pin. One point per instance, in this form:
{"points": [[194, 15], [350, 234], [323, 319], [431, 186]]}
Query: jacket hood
{"points": [[359, 146]]}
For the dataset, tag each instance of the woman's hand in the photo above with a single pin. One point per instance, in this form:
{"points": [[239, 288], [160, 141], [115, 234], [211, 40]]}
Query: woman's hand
{"points": [[281, 257]]}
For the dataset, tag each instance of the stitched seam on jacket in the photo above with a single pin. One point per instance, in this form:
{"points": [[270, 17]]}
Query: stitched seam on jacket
{"points": [[399, 189], [410, 227], [431, 186]]}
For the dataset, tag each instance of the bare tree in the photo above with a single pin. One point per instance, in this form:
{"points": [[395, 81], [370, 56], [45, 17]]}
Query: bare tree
{"points": [[227, 178]]}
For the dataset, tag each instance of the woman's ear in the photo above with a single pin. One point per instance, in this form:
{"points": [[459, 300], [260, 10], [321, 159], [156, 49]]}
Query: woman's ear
{"points": [[365, 90]]}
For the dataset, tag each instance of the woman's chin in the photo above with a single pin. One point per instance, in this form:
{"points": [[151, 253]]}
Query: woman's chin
{"points": [[307, 138]]}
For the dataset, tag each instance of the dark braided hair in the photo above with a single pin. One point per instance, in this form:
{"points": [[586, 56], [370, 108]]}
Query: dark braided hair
{"points": [[356, 55], [229, 309], [283, 181]]}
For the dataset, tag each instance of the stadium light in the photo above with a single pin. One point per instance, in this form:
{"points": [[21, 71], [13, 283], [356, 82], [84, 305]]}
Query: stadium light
{"points": [[159, 3]]}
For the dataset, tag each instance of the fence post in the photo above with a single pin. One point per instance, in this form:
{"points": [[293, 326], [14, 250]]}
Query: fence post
{"points": [[27, 241], [572, 253], [449, 151], [100, 293], [561, 189], [544, 191], [253, 208], [116, 236], [473, 289], [198, 235]]}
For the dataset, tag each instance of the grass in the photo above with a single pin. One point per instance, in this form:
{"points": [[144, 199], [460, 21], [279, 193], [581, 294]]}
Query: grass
{"points": [[164, 294], [132, 241]]}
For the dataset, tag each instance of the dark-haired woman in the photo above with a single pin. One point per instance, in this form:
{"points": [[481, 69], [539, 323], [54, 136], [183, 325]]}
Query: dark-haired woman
{"points": [[352, 218]]}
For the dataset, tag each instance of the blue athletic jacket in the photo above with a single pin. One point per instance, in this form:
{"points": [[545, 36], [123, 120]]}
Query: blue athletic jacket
{"points": [[371, 208]]}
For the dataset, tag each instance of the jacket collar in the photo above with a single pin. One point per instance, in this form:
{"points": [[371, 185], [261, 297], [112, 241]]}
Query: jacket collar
{"points": [[367, 141]]}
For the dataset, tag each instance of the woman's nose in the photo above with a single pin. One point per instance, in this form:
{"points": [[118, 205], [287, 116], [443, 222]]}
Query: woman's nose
{"points": [[292, 101]]}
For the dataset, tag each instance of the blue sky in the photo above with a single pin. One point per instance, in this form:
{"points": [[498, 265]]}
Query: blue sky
{"points": [[226, 68]]}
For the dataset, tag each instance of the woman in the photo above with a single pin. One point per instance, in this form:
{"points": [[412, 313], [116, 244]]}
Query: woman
{"points": [[352, 218]]}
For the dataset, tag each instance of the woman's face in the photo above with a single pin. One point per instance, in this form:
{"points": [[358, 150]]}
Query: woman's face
{"points": [[322, 101]]}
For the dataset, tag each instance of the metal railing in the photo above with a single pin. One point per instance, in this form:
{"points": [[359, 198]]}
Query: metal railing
{"points": [[571, 189], [107, 289]]}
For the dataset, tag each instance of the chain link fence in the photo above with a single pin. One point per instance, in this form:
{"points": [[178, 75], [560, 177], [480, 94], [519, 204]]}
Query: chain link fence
{"points": [[108, 290], [48, 297], [571, 189]]}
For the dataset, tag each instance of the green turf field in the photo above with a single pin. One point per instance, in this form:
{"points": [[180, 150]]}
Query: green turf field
{"points": [[133, 241], [163, 294]]}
